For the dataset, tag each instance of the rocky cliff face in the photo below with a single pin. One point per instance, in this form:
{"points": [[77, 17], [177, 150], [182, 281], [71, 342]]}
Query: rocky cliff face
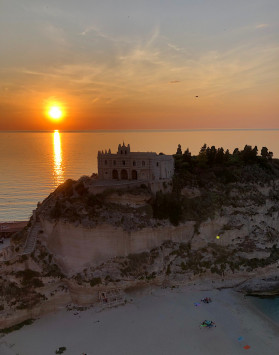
{"points": [[246, 221], [227, 236]]}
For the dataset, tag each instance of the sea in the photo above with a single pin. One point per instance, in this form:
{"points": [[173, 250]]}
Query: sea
{"points": [[267, 305], [33, 164]]}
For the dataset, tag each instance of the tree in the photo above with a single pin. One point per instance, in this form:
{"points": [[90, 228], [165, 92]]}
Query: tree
{"points": [[264, 152], [254, 153], [203, 149], [220, 156], [202, 157], [227, 155], [187, 156], [211, 154], [236, 152], [248, 154], [179, 151], [270, 155]]}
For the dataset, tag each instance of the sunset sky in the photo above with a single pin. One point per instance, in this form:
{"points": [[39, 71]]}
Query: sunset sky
{"points": [[112, 64]]}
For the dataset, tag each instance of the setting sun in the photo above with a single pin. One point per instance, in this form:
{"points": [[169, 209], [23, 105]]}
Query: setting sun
{"points": [[55, 112]]}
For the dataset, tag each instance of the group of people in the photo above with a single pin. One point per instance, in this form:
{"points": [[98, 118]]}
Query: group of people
{"points": [[206, 300], [207, 323]]}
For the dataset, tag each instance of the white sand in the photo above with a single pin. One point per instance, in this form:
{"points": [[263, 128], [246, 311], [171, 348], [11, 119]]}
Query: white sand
{"points": [[161, 321]]}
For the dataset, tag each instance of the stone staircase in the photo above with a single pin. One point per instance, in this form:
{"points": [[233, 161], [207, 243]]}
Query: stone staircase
{"points": [[31, 239], [8, 253]]}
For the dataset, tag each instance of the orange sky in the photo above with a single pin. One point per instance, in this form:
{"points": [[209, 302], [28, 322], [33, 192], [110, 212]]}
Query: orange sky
{"points": [[139, 67]]}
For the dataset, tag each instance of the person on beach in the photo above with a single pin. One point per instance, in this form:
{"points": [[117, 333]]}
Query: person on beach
{"points": [[208, 324], [206, 300]]}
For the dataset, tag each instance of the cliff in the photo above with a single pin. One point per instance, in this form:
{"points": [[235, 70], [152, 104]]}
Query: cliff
{"points": [[208, 232]]}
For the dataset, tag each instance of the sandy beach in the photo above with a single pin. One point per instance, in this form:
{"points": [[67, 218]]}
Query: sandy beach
{"points": [[154, 321]]}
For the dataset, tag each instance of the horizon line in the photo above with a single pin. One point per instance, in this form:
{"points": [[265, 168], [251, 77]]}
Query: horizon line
{"points": [[140, 130]]}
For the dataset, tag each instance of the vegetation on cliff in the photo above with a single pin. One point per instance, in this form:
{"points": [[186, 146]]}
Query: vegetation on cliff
{"points": [[215, 172], [175, 262], [74, 202], [215, 166], [23, 279]]}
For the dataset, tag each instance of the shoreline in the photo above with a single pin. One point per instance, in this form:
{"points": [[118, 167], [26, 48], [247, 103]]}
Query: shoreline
{"points": [[153, 321], [256, 309]]}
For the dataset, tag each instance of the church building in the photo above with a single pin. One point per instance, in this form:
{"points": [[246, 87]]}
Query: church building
{"points": [[127, 165]]}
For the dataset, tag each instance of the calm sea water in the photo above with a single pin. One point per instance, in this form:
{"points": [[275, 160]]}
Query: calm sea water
{"points": [[269, 306], [32, 164]]}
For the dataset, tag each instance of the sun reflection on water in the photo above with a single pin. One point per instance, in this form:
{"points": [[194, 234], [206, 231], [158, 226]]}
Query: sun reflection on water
{"points": [[58, 172]]}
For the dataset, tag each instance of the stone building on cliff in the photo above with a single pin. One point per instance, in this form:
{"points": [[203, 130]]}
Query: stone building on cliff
{"points": [[141, 166]]}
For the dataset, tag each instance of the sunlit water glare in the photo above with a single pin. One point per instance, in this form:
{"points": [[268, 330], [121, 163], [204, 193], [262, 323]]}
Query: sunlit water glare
{"points": [[58, 172]]}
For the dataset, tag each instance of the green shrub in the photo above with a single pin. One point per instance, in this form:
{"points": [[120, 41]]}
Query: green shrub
{"points": [[60, 350], [27, 274], [17, 326], [183, 266], [54, 271], [167, 206], [56, 211], [168, 271], [95, 281]]}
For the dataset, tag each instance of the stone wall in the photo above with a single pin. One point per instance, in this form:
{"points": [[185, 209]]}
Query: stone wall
{"points": [[99, 186]]}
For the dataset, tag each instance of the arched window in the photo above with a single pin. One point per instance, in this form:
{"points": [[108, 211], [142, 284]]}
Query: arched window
{"points": [[123, 162], [157, 164], [143, 163], [121, 152], [134, 163], [106, 162], [124, 174], [114, 162], [125, 152], [115, 174]]}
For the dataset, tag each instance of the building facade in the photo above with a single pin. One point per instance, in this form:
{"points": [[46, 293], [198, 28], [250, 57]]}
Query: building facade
{"points": [[127, 165]]}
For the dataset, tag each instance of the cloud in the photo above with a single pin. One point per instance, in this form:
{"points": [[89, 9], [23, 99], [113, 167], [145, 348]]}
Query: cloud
{"points": [[174, 81], [262, 25], [176, 48], [96, 32]]}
